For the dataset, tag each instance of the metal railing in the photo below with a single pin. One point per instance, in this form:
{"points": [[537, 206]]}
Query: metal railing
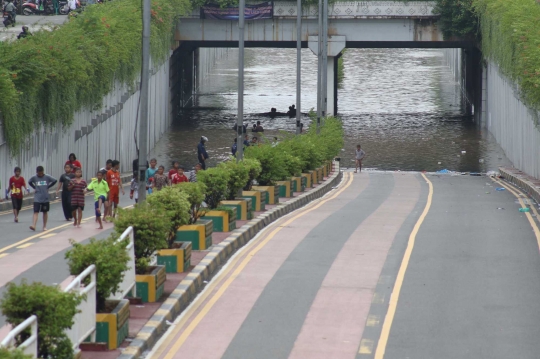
{"points": [[85, 321], [30, 345], [128, 283]]}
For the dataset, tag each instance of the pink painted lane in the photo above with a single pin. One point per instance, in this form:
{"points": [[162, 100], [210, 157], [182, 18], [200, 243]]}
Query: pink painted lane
{"points": [[334, 325], [216, 330]]}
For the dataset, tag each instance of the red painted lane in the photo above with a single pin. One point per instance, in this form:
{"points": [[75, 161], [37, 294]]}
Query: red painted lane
{"points": [[212, 336], [336, 320]]}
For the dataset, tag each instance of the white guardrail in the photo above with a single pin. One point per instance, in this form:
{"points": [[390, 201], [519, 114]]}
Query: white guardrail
{"points": [[30, 345], [84, 322], [128, 284]]}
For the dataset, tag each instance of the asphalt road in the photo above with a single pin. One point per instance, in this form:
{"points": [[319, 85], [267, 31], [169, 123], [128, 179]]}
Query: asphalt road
{"points": [[34, 22]]}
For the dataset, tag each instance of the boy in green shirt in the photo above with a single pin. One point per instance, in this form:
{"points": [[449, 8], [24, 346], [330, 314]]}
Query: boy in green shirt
{"points": [[101, 189]]}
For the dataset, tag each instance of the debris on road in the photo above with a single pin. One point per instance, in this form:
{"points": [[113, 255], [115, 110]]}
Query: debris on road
{"points": [[500, 189]]}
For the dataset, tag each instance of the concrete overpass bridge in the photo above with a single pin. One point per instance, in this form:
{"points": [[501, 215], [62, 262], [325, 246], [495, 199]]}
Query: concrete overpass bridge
{"points": [[356, 24]]}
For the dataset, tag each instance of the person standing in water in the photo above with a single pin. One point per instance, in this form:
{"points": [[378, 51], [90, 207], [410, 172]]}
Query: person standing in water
{"points": [[360, 155], [201, 152]]}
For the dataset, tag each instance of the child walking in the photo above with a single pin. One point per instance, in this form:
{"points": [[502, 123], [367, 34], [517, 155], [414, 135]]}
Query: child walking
{"points": [[16, 187], [101, 190], [41, 183], [114, 182], [360, 155], [63, 183], [77, 187], [134, 188]]}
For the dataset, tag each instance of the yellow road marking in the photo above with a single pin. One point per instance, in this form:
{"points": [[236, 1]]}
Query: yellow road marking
{"points": [[366, 346], [530, 218], [4, 255], [260, 243], [372, 320], [25, 245], [48, 235], [387, 325]]}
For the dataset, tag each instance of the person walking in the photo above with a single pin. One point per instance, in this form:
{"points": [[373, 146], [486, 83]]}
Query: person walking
{"points": [[360, 155], [134, 188], [150, 173], [74, 162], [77, 187], [101, 190], [161, 179], [174, 169], [179, 177], [63, 183], [234, 147], [16, 187], [202, 155], [115, 185], [193, 174], [41, 184]]}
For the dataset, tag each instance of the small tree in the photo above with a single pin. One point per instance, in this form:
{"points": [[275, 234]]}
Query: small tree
{"points": [[54, 309], [150, 228], [272, 162], [254, 169], [215, 180], [196, 193], [111, 261], [238, 176], [175, 205], [13, 354]]}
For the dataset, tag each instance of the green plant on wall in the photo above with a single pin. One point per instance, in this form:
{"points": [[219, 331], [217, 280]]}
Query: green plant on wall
{"points": [[54, 309], [457, 18], [111, 261]]}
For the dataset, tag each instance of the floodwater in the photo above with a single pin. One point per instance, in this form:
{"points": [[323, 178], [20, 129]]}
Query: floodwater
{"points": [[401, 105]]}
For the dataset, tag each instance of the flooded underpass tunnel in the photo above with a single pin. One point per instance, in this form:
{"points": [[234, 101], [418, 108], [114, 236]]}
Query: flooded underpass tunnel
{"points": [[404, 106]]}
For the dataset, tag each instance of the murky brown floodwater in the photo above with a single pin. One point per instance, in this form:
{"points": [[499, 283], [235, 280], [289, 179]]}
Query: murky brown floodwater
{"points": [[402, 105]]}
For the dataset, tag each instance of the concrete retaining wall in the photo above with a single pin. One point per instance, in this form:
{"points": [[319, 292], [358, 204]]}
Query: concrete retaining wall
{"points": [[94, 136], [208, 57]]}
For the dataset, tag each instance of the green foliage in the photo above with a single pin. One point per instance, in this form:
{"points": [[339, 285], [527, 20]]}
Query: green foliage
{"points": [[110, 259], [511, 38], [13, 354], [54, 309], [195, 192], [330, 138], [216, 181], [45, 78], [238, 175], [254, 170], [229, 210], [175, 205], [305, 149], [151, 226], [457, 18], [272, 160]]}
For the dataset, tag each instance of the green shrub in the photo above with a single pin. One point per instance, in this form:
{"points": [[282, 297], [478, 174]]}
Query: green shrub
{"points": [[13, 354], [293, 164], [254, 170], [53, 308], [216, 181], [229, 210], [272, 160], [151, 226], [330, 139], [111, 261], [305, 149], [238, 175], [175, 205], [195, 192], [457, 18]]}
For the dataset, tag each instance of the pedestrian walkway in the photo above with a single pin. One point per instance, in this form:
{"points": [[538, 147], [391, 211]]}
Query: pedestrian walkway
{"points": [[393, 265], [34, 23]]}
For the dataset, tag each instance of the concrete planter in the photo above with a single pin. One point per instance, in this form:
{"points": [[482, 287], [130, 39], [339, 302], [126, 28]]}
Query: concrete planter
{"points": [[284, 188], [273, 193], [243, 207], [199, 234], [258, 199], [112, 328], [325, 170], [221, 220], [320, 174], [176, 260], [299, 184], [309, 179], [150, 286]]}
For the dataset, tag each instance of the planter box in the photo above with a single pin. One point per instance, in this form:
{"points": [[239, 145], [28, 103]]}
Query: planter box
{"points": [[325, 170], [112, 328], [176, 260], [284, 188], [273, 193], [150, 286], [320, 171], [258, 199], [221, 221], [199, 234], [309, 179], [243, 208], [299, 184], [314, 177]]}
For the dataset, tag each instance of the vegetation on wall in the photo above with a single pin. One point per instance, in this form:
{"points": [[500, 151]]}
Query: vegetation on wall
{"points": [[457, 18], [45, 78]]}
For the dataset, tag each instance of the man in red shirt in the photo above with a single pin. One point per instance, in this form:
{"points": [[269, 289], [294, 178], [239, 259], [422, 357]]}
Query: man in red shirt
{"points": [[16, 186], [174, 170], [115, 185], [179, 176]]}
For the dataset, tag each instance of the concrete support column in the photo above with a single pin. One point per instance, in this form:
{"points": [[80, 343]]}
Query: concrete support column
{"points": [[336, 44]]}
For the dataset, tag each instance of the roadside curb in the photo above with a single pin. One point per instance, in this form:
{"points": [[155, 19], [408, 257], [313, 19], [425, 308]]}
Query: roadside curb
{"points": [[188, 289], [527, 183]]}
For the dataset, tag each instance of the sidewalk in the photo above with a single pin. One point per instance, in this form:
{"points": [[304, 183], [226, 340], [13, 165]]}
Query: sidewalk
{"points": [[34, 23]]}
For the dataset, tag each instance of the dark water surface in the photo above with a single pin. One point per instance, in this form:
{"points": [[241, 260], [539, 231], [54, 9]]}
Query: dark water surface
{"points": [[402, 105]]}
